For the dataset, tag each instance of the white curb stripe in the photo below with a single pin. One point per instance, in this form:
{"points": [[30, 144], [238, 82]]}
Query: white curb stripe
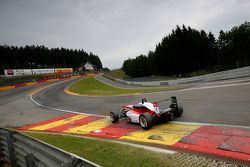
{"points": [[201, 88]]}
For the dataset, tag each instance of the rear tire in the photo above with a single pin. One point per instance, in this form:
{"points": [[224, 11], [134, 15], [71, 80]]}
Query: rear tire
{"points": [[164, 118], [171, 117], [146, 121], [114, 117], [179, 111]]}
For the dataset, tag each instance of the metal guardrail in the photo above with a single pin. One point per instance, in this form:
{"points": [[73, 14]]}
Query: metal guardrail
{"points": [[21, 150], [229, 74]]}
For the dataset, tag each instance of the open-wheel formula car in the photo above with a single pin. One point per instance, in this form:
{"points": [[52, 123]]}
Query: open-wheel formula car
{"points": [[147, 113]]}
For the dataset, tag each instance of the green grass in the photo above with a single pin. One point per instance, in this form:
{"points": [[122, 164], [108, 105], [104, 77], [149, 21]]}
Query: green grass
{"points": [[118, 73], [92, 87], [104, 153]]}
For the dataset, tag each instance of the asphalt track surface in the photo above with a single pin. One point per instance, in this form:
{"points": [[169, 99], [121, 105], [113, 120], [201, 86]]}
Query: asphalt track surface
{"points": [[224, 102], [16, 108]]}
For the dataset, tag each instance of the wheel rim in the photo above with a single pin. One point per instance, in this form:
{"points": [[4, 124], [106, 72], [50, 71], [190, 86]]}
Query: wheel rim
{"points": [[143, 121]]}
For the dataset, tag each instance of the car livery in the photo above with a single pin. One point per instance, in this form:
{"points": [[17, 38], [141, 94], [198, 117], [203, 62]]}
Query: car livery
{"points": [[147, 113]]}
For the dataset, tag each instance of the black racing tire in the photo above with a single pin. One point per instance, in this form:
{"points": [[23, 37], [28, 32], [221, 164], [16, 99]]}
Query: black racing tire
{"points": [[171, 117], [146, 121], [114, 117], [163, 118], [179, 111]]}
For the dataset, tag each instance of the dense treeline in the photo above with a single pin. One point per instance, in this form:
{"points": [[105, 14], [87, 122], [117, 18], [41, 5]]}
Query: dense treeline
{"points": [[186, 50], [13, 57]]}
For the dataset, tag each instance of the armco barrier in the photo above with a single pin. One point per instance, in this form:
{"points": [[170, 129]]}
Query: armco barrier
{"points": [[45, 79], [21, 150], [229, 74]]}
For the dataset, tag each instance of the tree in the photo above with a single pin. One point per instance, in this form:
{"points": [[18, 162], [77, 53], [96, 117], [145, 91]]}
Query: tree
{"points": [[41, 57], [138, 67], [181, 52], [234, 47]]}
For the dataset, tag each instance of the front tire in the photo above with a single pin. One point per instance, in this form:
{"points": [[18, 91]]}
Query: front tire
{"points": [[146, 121], [114, 117]]}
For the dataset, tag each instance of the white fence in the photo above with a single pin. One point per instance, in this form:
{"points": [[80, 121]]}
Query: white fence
{"points": [[16, 72]]}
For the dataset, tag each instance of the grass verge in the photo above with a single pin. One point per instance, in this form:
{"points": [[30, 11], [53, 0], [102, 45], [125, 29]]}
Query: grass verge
{"points": [[118, 73], [92, 87], [104, 153]]}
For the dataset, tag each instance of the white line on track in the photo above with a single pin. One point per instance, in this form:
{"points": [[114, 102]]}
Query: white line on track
{"points": [[56, 109], [62, 110], [218, 86], [176, 122], [108, 83], [228, 81], [191, 89], [119, 86], [201, 88], [208, 83]]}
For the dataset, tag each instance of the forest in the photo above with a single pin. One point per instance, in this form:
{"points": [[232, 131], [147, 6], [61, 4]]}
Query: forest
{"points": [[31, 57], [186, 50]]}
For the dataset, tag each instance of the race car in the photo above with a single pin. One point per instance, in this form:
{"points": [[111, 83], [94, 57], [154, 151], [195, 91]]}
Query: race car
{"points": [[147, 113]]}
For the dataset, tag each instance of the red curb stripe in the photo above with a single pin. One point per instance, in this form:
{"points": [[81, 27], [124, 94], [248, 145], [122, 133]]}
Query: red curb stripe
{"points": [[205, 139], [74, 124], [237, 144], [220, 130], [87, 74], [214, 151], [41, 81], [221, 141], [115, 130], [26, 84], [20, 85], [223, 137], [47, 121]]}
